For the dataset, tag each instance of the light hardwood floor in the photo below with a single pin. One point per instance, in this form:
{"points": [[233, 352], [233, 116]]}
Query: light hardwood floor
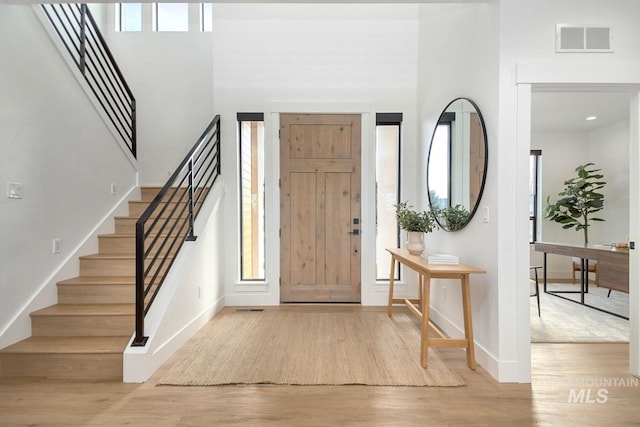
{"points": [[557, 370]]}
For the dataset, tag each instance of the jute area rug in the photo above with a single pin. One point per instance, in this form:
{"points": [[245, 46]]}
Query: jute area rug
{"points": [[308, 348]]}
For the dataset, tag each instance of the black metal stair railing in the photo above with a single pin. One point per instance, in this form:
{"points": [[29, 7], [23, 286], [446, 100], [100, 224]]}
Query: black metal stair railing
{"points": [[79, 33], [168, 221]]}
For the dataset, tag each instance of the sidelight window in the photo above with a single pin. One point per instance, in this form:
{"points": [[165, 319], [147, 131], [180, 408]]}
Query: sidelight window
{"points": [[388, 143], [252, 235]]}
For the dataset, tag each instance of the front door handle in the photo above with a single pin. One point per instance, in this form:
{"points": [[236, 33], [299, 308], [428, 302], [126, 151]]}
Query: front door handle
{"points": [[355, 232]]}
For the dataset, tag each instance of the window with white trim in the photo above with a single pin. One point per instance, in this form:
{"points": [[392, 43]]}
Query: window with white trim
{"points": [[388, 144], [252, 232]]}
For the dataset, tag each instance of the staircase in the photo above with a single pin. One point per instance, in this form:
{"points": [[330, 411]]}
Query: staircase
{"points": [[85, 334]]}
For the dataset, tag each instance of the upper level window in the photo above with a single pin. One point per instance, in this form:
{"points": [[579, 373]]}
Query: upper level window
{"points": [[206, 17], [171, 16], [128, 17]]}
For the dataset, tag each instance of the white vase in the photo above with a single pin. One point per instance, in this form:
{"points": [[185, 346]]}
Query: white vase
{"points": [[415, 242]]}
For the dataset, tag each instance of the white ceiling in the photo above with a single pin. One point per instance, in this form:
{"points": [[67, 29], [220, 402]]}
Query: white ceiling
{"points": [[567, 111]]}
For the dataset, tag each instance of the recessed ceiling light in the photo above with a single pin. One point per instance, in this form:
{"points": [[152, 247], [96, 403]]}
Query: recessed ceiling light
{"points": [[591, 118]]}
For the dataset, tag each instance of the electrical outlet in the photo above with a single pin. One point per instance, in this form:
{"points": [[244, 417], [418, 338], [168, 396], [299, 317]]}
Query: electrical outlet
{"points": [[55, 246], [444, 292], [113, 189], [199, 292], [14, 190]]}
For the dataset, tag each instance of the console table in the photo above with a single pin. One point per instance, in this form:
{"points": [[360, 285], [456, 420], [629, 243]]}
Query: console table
{"points": [[426, 272], [613, 267]]}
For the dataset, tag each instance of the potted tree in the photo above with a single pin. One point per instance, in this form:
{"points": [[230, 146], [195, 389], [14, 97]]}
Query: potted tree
{"points": [[579, 200], [416, 224]]}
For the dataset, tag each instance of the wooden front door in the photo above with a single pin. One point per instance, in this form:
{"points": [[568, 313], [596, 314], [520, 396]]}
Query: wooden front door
{"points": [[320, 208]]}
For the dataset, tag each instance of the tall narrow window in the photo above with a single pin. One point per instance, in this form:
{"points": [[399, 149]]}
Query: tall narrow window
{"points": [[206, 17], [128, 17], [535, 199], [251, 150], [171, 16], [388, 132]]}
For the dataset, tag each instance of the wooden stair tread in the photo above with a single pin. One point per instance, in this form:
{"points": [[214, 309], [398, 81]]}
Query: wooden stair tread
{"points": [[86, 310], [123, 235], [99, 280], [69, 345], [114, 256]]}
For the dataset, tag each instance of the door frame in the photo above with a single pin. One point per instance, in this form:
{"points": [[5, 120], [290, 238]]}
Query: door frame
{"points": [[558, 76], [272, 204]]}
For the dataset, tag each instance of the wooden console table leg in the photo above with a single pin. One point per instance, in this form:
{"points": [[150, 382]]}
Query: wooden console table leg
{"points": [[468, 324], [392, 275], [425, 280], [420, 286]]}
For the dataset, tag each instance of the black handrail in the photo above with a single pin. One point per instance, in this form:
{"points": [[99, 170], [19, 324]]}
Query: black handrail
{"points": [[168, 221], [79, 33]]}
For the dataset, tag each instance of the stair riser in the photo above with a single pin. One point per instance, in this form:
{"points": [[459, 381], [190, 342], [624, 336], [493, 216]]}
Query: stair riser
{"points": [[99, 367], [122, 245], [110, 267], [148, 194], [107, 267], [128, 225], [96, 294], [82, 326], [136, 209]]}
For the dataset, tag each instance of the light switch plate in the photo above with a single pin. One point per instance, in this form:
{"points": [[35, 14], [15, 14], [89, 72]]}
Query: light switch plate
{"points": [[55, 246], [14, 190]]}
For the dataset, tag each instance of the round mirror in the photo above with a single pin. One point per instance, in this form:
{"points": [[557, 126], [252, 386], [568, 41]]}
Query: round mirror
{"points": [[457, 164]]}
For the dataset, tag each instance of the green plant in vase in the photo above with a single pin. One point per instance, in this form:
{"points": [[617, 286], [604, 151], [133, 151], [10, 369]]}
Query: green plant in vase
{"points": [[416, 223]]}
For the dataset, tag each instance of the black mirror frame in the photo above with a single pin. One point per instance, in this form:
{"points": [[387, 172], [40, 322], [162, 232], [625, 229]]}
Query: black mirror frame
{"points": [[484, 171]]}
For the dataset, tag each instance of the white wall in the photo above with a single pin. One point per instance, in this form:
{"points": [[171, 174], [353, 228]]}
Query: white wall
{"points": [[459, 58], [312, 58], [55, 144], [170, 74]]}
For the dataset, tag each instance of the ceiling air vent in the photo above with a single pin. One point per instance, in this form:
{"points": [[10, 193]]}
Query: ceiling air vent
{"points": [[576, 38]]}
